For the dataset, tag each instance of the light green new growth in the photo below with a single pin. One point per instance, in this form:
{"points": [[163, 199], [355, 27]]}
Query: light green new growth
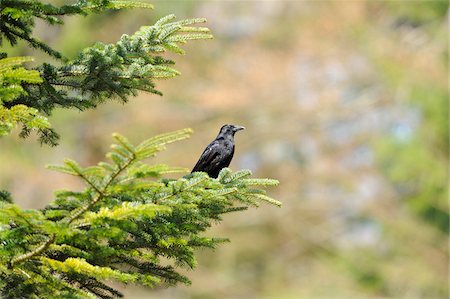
{"points": [[12, 76], [127, 210], [117, 5]]}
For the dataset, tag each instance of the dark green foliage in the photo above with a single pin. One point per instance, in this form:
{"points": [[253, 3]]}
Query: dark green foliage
{"points": [[128, 224], [5, 196], [98, 73]]}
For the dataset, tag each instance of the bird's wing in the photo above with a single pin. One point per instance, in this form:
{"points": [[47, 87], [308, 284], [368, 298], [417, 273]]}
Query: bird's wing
{"points": [[211, 155]]}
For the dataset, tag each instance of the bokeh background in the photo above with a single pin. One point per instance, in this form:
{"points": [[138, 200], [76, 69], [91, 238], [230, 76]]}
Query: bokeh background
{"points": [[345, 102]]}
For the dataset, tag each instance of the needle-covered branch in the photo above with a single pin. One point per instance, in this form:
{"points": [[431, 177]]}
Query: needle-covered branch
{"points": [[17, 18], [126, 224], [98, 73]]}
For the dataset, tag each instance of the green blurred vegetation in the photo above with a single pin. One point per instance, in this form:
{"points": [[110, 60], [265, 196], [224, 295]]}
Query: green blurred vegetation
{"points": [[346, 103]]}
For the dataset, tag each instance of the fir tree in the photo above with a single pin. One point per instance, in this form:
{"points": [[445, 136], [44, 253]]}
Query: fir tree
{"points": [[129, 224]]}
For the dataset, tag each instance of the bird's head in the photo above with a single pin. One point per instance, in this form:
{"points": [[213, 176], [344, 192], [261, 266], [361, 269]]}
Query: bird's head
{"points": [[230, 129]]}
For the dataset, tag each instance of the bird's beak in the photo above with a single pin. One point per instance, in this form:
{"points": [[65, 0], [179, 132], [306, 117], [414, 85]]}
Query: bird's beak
{"points": [[238, 128]]}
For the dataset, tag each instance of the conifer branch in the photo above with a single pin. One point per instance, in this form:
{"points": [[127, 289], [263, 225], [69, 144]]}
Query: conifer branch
{"points": [[68, 220], [98, 73], [134, 216], [100, 193]]}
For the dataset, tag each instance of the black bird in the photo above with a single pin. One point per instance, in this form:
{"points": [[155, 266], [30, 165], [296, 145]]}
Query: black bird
{"points": [[219, 152]]}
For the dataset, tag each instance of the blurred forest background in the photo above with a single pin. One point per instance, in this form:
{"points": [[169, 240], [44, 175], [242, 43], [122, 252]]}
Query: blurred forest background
{"points": [[345, 102]]}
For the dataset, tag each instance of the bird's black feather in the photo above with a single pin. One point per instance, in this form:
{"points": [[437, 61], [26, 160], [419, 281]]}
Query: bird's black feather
{"points": [[219, 152]]}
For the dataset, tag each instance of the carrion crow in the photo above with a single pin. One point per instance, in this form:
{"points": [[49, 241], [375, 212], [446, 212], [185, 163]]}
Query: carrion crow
{"points": [[219, 152]]}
